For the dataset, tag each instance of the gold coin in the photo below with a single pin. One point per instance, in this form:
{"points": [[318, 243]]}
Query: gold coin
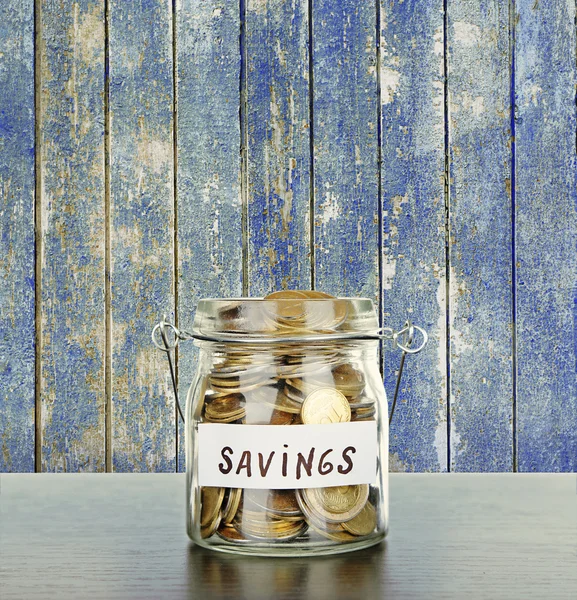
{"points": [[348, 380], [231, 534], [285, 295], [337, 504], [279, 503], [313, 518], [211, 501], [231, 506], [364, 523], [362, 403], [338, 535], [242, 387], [289, 308], [211, 528], [325, 405], [230, 406], [317, 294], [303, 386], [364, 414], [260, 529], [280, 417]]}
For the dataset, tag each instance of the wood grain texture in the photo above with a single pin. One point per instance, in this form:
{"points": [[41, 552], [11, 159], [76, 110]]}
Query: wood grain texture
{"points": [[17, 276], [345, 127], [72, 234], [545, 235], [277, 89], [208, 133], [112, 537], [141, 232], [413, 222], [480, 299]]}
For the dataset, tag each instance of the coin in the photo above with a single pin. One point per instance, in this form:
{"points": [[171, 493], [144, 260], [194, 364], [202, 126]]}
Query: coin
{"points": [[289, 308], [293, 394], [362, 403], [317, 294], [337, 504], [364, 414], [281, 503], [279, 417], [231, 534], [325, 405], [231, 505], [348, 380], [364, 523], [260, 528], [211, 527], [339, 535], [311, 517], [225, 409], [211, 501], [238, 386]]}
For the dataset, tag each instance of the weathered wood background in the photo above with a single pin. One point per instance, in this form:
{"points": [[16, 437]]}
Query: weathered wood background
{"points": [[418, 152]]}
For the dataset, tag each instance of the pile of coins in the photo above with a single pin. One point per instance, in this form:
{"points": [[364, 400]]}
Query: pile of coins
{"points": [[285, 384]]}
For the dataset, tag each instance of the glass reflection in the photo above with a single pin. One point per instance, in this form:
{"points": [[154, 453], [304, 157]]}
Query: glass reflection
{"points": [[219, 575]]}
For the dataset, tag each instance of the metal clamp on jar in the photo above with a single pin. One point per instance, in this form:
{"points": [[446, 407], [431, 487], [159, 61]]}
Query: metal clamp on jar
{"points": [[287, 424]]}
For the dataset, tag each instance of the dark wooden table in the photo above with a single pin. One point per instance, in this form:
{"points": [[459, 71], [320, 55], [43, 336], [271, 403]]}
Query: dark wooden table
{"points": [[452, 536]]}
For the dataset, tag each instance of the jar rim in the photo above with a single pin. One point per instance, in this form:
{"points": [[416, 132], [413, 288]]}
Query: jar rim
{"points": [[286, 320]]}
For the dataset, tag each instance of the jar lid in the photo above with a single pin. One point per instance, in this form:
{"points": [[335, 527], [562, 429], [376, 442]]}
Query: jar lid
{"points": [[301, 317]]}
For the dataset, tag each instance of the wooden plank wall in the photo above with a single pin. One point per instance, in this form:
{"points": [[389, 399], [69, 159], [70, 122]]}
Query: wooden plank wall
{"points": [[17, 306], [420, 153], [70, 251]]}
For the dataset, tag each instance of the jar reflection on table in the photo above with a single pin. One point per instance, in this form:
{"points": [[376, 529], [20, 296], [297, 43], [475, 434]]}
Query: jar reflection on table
{"points": [[219, 575], [285, 382]]}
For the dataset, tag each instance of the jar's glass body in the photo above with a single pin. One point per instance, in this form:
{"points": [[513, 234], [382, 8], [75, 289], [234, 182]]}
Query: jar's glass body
{"points": [[275, 384]]}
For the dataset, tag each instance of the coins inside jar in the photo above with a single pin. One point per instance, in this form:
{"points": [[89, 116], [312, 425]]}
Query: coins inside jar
{"points": [[287, 384]]}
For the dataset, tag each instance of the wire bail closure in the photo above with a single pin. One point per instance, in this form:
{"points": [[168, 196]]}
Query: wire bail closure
{"points": [[402, 339]]}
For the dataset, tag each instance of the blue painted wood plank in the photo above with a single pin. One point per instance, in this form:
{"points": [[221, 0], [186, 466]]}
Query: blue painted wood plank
{"points": [[545, 235], [208, 188], [345, 121], [481, 328], [17, 278], [278, 129], [72, 231], [143, 436], [413, 220]]}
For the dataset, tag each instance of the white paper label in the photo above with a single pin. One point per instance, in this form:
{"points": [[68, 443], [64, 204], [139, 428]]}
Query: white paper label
{"points": [[283, 457]]}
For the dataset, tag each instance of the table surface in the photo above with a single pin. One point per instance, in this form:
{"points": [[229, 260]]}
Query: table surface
{"points": [[115, 536]]}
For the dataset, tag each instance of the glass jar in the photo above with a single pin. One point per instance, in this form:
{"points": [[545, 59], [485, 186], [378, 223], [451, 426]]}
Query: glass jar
{"points": [[286, 427]]}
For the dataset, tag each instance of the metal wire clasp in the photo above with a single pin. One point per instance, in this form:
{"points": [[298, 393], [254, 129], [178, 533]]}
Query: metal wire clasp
{"points": [[403, 339]]}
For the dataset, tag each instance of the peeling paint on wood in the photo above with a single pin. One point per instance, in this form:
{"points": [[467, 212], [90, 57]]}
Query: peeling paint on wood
{"points": [[17, 277], [545, 235], [141, 238], [278, 146], [413, 242], [490, 205], [481, 344], [345, 137], [72, 250], [208, 133]]}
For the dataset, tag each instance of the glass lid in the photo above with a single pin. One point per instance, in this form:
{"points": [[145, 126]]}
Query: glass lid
{"points": [[288, 315]]}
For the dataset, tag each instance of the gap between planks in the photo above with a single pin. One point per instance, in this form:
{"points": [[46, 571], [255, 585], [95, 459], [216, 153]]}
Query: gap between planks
{"points": [[107, 251], [175, 220], [242, 115], [37, 240], [512, 114], [447, 194]]}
